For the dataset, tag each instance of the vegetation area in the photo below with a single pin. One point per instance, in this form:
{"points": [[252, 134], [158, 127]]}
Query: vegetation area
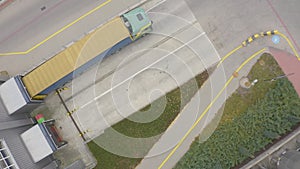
{"points": [[175, 101], [252, 119]]}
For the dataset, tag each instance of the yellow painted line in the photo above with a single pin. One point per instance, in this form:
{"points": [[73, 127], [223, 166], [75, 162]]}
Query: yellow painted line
{"points": [[13, 53], [229, 54], [290, 43], [208, 107], [249, 59], [58, 32]]}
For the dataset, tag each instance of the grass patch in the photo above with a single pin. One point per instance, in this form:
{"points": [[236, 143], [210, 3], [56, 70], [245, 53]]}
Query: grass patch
{"points": [[175, 101], [265, 68], [251, 120]]}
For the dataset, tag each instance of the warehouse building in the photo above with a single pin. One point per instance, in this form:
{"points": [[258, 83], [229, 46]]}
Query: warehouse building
{"points": [[21, 142]]}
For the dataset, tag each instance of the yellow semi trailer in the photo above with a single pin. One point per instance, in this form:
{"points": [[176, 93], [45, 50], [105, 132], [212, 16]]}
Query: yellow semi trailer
{"points": [[23, 93]]}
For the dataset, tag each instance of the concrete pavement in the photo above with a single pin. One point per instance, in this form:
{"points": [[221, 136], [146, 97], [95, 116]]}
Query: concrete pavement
{"points": [[140, 79], [210, 92], [224, 21], [286, 14], [242, 19], [130, 79]]}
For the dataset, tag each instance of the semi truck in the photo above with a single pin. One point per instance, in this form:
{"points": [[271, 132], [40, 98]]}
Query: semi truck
{"points": [[23, 93]]}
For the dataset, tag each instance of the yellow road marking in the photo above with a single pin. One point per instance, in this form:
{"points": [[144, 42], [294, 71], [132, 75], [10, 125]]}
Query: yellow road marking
{"points": [[208, 107], [256, 36], [290, 43], [229, 54], [249, 59], [276, 32], [250, 39], [58, 32]]}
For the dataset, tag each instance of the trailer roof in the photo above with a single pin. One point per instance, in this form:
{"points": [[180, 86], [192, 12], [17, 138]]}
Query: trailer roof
{"points": [[75, 56], [12, 96]]}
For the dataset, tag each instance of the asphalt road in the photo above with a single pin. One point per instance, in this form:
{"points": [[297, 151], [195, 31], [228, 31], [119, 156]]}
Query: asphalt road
{"points": [[24, 24]]}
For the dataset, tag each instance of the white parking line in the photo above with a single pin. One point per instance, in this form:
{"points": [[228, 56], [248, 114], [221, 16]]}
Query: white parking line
{"points": [[112, 88]]}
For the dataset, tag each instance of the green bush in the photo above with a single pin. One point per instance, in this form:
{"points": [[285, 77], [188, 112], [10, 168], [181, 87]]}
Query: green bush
{"points": [[233, 142]]}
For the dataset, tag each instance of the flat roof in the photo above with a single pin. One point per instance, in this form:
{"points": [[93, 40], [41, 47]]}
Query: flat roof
{"points": [[18, 149], [36, 143]]}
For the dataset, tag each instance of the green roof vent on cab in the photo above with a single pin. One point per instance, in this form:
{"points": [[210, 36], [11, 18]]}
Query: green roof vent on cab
{"points": [[137, 22]]}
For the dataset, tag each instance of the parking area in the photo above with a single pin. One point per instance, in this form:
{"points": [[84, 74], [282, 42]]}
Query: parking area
{"points": [[140, 73]]}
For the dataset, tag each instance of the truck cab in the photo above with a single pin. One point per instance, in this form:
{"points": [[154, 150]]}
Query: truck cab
{"points": [[137, 22]]}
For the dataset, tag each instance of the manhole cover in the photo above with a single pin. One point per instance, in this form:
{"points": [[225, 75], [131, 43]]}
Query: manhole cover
{"points": [[245, 83]]}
